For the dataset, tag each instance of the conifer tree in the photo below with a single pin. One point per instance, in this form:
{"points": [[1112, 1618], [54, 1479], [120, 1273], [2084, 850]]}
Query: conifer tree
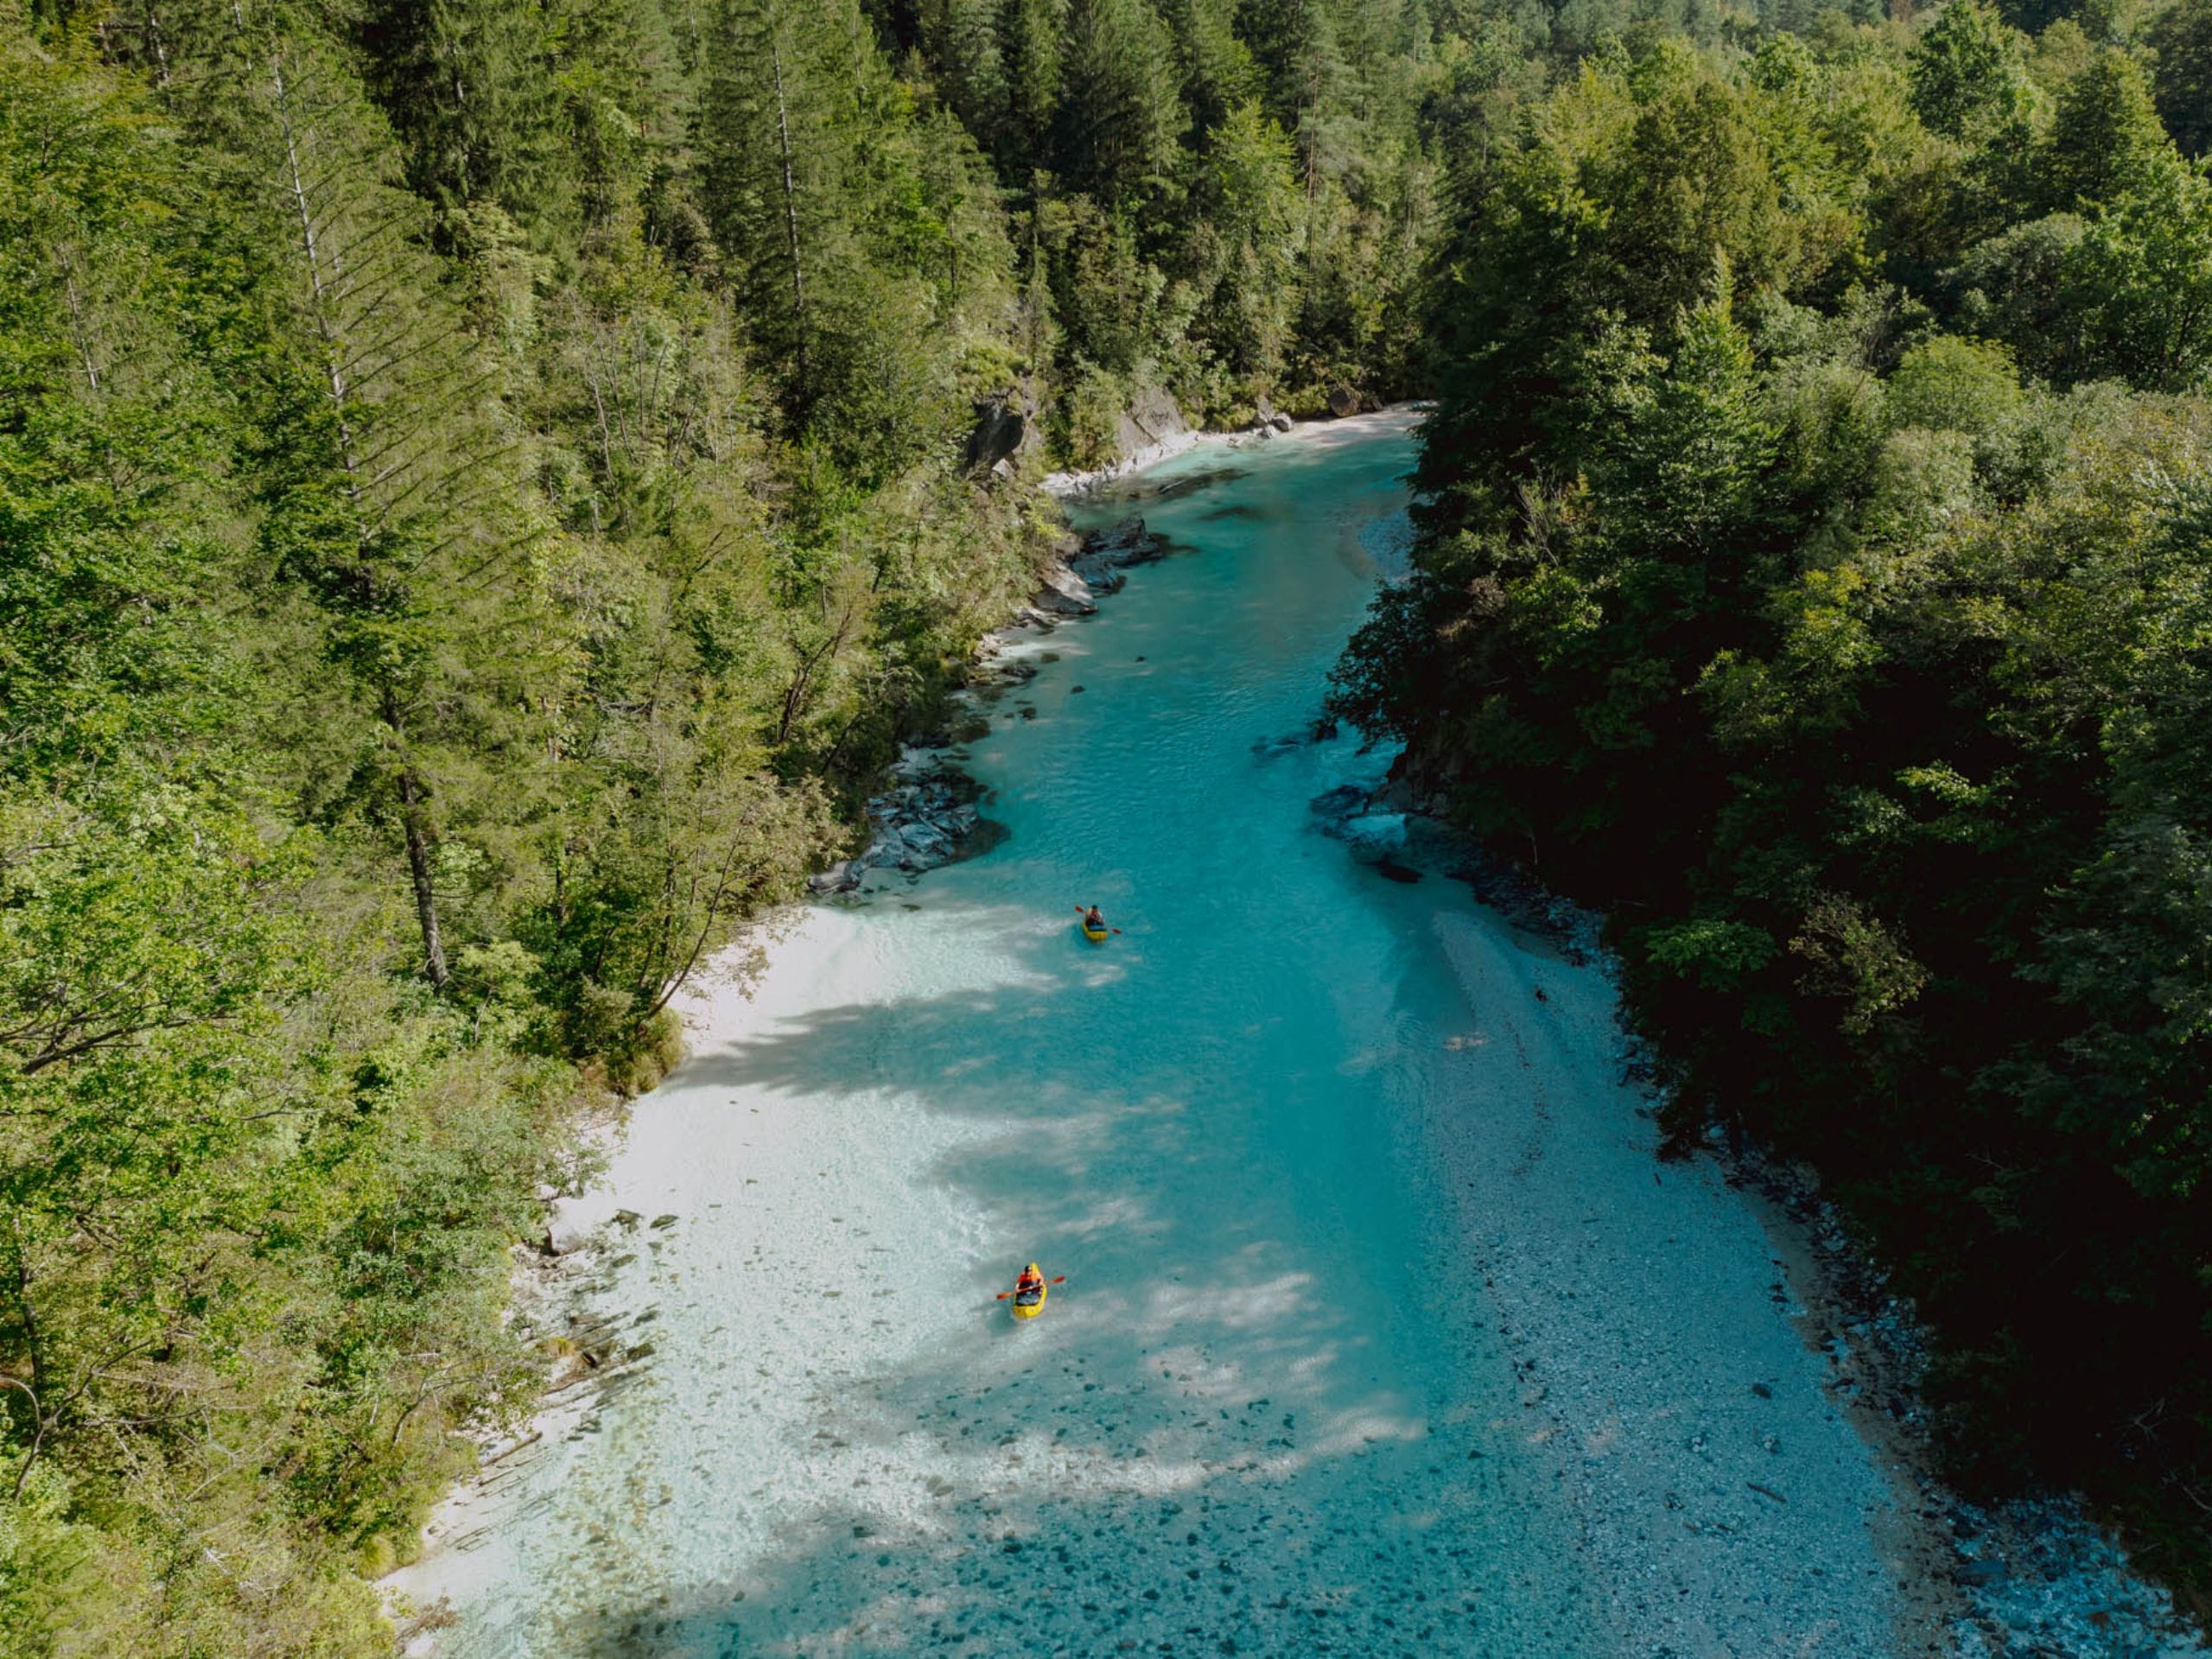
{"points": [[2181, 39], [1246, 247], [1031, 58], [1294, 43], [1966, 74], [387, 501], [1217, 69], [1119, 120], [462, 83], [2105, 136], [767, 136]]}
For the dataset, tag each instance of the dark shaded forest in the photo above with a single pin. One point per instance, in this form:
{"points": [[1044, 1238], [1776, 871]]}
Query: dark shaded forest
{"points": [[1813, 573]]}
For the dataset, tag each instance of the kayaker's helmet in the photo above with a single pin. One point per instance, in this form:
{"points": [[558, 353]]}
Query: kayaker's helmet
{"points": [[1032, 1268]]}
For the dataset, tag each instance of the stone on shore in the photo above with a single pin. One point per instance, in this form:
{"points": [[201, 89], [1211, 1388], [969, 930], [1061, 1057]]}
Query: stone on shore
{"points": [[1151, 422], [842, 877], [1063, 594]]}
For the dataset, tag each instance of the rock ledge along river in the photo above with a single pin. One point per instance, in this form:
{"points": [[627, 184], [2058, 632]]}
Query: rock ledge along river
{"points": [[1384, 1331]]}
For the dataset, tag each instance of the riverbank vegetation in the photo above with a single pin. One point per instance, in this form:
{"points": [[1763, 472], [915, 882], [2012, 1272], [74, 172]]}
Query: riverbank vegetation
{"points": [[485, 485], [1813, 573]]}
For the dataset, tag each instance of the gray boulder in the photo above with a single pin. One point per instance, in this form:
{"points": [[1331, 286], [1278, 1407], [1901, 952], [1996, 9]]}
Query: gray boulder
{"points": [[1152, 419], [1065, 594], [925, 838], [842, 877]]}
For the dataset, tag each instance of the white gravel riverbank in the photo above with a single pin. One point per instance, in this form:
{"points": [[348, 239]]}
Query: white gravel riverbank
{"points": [[1727, 1503]]}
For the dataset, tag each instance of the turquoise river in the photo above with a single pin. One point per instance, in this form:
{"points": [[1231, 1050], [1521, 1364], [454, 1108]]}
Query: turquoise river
{"points": [[1382, 1332]]}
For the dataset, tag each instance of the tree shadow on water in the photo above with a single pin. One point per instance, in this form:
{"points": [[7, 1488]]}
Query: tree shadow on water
{"points": [[1200, 1447]]}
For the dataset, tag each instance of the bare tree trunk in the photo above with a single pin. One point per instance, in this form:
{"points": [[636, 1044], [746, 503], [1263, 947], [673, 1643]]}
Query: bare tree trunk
{"points": [[161, 49], [418, 864], [38, 1388], [415, 826], [334, 368], [331, 288], [791, 204]]}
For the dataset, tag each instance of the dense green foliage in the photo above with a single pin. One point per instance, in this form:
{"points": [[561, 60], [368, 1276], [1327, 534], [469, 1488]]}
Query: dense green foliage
{"points": [[1813, 572], [484, 485]]}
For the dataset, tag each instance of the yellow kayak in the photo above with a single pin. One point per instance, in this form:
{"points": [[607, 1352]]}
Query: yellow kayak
{"points": [[1030, 1310], [1096, 935]]}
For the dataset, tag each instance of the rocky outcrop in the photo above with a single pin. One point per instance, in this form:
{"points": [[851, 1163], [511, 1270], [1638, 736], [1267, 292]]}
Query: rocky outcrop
{"points": [[1152, 421], [924, 819], [1006, 426], [1342, 401]]}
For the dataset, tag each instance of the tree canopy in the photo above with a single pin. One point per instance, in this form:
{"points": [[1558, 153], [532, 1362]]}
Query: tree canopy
{"points": [[1809, 574]]}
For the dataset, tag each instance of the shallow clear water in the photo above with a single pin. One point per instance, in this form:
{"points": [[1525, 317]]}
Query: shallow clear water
{"points": [[1265, 1413]]}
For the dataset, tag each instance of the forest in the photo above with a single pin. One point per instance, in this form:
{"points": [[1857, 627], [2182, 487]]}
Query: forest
{"points": [[485, 486], [1812, 571]]}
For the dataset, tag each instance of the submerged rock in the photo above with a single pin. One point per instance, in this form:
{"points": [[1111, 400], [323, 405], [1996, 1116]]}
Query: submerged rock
{"points": [[1336, 806], [1124, 544], [1375, 835]]}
